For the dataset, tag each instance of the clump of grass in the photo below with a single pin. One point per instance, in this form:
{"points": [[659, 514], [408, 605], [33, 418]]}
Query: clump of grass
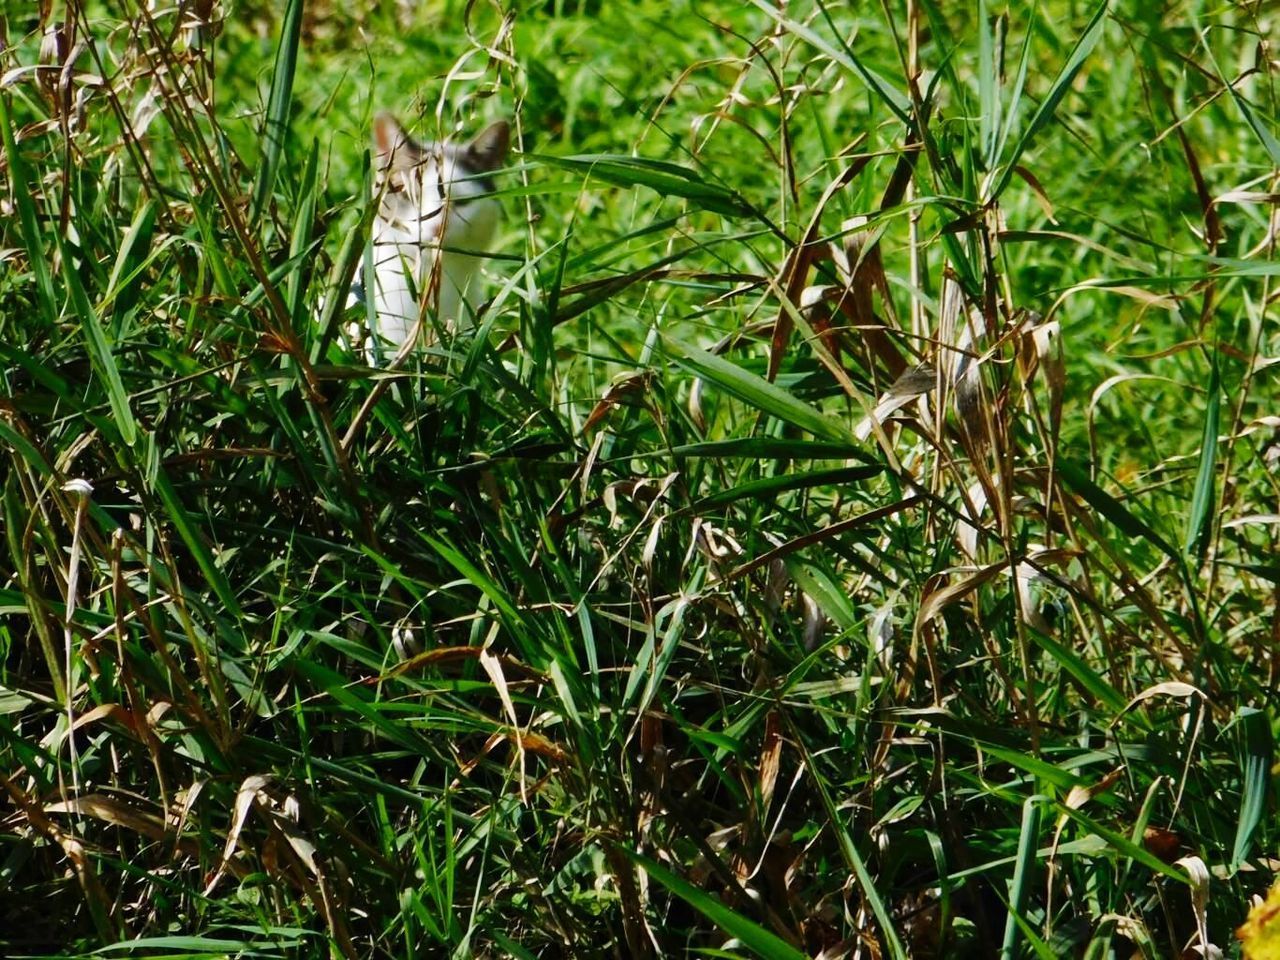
{"points": [[849, 530]]}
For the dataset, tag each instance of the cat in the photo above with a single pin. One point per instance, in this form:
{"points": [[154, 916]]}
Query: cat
{"points": [[436, 220]]}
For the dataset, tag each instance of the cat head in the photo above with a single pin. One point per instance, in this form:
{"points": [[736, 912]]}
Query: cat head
{"points": [[437, 192]]}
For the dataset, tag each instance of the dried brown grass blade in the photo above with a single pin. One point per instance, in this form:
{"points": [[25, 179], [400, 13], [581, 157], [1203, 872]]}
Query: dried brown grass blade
{"points": [[770, 759], [800, 261]]}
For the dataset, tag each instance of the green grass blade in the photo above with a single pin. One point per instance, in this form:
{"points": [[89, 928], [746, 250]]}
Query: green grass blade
{"points": [[1019, 86], [1200, 517], [476, 577], [1077, 478], [757, 392], [1038, 944], [100, 354], [766, 487], [124, 285], [1088, 678], [1042, 770], [988, 81], [771, 448], [1057, 90], [886, 92], [1258, 756], [667, 179], [25, 448], [275, 128], [762, 942], [1257, 124], [832, 600], [510, 947], [652, 660], [303, 222], [853, 859], [192, 947], [20, 179], [177, 514], [1124, 846], [1024, 866]]}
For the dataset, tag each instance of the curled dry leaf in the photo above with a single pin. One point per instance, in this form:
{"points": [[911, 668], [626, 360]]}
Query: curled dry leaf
{"points": [[305, 850], [493, 667], [1198, 874], [250, 789], [1130, 928], [103, 711], [625, 387], [975, 502], [1028, 580], [114, 811], [815, 622], [715, 543], [442, 656], [1267, 519], [1171, 688], [1040, 349], [1248, 196], [938, 600], [651, 544], [1037, 190], [861, 268], [531, 742], [695, 405], [404, 640], [916, 382], [816, 306]]}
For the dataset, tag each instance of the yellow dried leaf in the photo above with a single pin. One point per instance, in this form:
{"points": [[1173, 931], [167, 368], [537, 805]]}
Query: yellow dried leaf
{"points": [[1260, 933]]}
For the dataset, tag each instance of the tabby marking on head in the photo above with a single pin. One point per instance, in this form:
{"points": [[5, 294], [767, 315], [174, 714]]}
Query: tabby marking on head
{"points": [[435, 222]]}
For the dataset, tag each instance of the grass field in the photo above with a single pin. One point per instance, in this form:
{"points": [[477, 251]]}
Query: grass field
{"points": [[850, 531]]}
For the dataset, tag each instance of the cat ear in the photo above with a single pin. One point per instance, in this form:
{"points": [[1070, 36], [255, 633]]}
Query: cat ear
{"points": [[488, 150], [392, 148]]}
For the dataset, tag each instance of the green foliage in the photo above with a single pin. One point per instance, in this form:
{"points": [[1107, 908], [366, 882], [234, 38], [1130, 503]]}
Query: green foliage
{"points": [[849, 526]]}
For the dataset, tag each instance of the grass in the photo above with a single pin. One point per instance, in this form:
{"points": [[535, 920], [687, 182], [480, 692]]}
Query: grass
{"points": [[851, 530]]}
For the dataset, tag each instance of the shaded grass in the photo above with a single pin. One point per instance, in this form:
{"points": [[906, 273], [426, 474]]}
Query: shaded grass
{"points": [[850, 528]]}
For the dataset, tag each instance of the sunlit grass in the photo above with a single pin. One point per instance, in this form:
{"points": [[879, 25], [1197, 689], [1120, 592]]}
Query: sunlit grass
{"points": [[850, 530]]}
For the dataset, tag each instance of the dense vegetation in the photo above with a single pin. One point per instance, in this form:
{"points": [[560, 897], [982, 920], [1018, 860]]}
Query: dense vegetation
{"points": [[850, 531]]}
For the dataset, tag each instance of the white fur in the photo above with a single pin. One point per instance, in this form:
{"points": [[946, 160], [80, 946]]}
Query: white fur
{"points": [[433, 227]]}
